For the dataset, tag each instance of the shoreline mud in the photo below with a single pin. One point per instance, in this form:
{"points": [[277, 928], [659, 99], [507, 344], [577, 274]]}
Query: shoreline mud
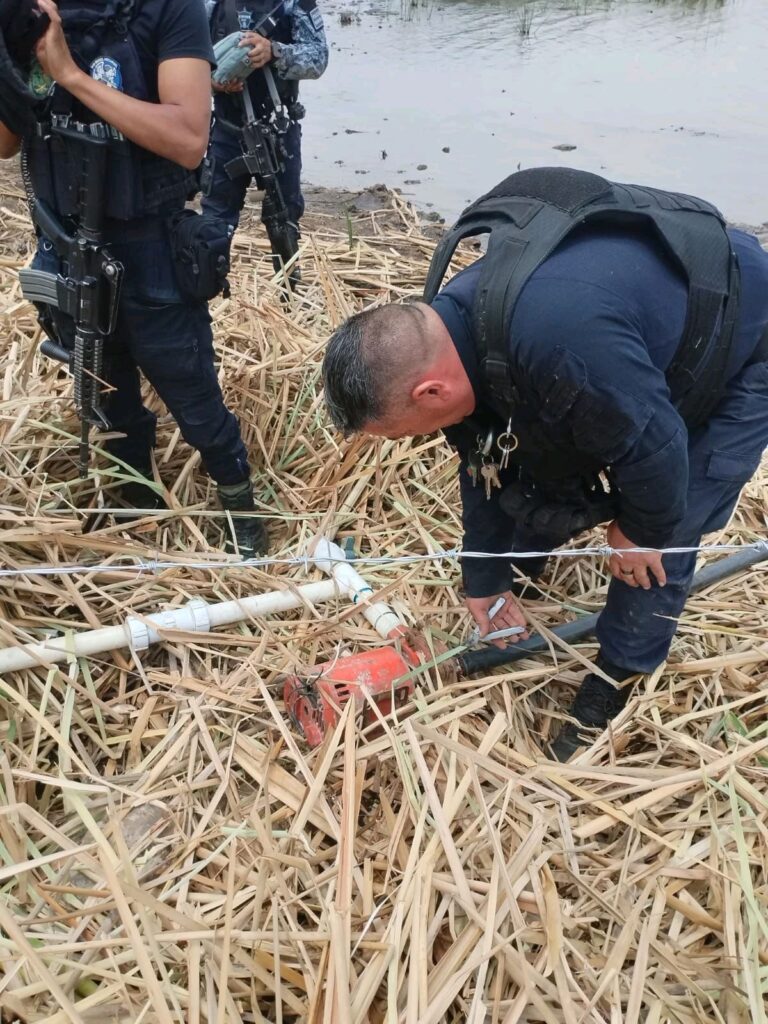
{"points": [[326, 208]]}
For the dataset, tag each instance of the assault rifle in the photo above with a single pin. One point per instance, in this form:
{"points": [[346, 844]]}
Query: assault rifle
{"points": [[88, 288], [262, 157]]}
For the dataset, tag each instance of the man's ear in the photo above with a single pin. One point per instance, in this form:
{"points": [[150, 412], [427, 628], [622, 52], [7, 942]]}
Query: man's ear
{"points": [[431, 392]]}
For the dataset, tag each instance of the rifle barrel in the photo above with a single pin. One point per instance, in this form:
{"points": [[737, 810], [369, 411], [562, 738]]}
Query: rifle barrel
{"points": [[84, 449]]}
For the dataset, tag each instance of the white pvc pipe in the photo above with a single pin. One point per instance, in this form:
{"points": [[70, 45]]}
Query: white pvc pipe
{"points": [[199, 617], [331, 559], [138, 634]]}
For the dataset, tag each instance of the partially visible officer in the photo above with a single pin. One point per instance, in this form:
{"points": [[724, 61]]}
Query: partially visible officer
{"points": [[136, 73], [610, 334], [286, 43]]}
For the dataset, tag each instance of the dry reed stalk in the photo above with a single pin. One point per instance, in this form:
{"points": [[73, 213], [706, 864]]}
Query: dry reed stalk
{"points": [[170, 851]]}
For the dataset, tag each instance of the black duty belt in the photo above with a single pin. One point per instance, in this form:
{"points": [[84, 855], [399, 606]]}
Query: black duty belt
{"points": [[66, 123]]}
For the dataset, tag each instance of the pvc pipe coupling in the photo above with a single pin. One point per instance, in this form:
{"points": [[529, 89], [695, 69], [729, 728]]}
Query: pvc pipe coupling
{"points": [[193, 617], [330, 559]]}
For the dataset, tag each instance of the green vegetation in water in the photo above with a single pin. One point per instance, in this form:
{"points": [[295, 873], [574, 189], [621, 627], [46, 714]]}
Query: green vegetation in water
{"points": [[525, 16], [528, 8], [526, 11], [409, 9], [694, 5]]}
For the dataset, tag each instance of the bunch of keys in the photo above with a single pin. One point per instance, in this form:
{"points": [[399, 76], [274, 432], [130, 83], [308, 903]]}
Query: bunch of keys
{"points": [[477, 458], [507, 442], [489, 471], [482, 464]]}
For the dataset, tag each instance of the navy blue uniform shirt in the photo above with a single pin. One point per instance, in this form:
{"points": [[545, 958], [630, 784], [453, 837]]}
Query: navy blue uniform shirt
{"points": [[299, 49], [166, 30], [606, 310]]}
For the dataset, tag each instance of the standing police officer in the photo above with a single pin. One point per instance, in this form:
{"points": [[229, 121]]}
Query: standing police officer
{"points": [[135, 74], [285, 44], [611, 333]]}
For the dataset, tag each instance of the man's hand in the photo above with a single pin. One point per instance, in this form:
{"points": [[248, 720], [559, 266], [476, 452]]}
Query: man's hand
{"points": [[509, 615], [176, 127], [10, 144], [260, 49], [52, 49], [634, 568], [226, 86]]}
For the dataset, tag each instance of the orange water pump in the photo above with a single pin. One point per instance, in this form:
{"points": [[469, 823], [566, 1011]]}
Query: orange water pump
{"points": [[384, 674]]}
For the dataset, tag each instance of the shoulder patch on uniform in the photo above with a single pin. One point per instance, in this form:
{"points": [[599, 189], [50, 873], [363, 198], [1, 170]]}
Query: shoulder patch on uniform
{"points": [[245, 20], [107, 70], [310, 7]]}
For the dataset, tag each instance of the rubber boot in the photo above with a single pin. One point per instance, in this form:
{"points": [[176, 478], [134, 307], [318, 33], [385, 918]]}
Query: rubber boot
{"points": [[250, 535], [595, 704]]}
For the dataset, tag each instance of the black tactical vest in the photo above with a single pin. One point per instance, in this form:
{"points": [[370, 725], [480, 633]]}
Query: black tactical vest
{"points": [[269, 19], [139, 183], [527, 216]]}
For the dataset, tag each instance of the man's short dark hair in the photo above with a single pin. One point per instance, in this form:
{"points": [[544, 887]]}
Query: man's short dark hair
{"points": [[370, 362]]}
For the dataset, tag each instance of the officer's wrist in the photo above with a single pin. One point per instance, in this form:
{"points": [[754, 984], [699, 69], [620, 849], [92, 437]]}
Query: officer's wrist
{"points": [[72, 77], [277, 49]]}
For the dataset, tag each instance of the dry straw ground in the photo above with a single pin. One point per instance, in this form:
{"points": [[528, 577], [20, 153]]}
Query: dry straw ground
{"points": [[171, 852]]}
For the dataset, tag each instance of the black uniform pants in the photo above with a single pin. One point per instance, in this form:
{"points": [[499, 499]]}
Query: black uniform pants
{"points": [[636, 626], [227, 195], [170, 342]]}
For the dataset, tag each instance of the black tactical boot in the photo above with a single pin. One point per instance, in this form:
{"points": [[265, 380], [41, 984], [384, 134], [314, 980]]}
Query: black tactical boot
{"points": [[135, 494], [294, 278], [250, 535], [525, 572], [289, 289], [284, 239], [596, 703], [571, 738]]}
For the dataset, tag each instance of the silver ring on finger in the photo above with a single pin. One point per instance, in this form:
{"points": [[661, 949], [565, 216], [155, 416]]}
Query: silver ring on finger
{"points": [[627, 572]]}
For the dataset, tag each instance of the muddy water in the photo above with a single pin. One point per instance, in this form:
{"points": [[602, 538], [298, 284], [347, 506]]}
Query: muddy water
{"points": [[666, 92]]}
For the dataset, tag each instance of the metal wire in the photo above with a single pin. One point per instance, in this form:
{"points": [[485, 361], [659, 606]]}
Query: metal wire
{"points": [[141, 566]]}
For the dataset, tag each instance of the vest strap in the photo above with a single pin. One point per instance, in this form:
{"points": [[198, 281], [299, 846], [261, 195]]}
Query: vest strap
{"points": [[529, 214]]}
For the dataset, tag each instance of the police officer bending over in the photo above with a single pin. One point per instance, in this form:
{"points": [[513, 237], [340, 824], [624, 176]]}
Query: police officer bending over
{"points": [[134, 75], [567, 367], [284, 44]]}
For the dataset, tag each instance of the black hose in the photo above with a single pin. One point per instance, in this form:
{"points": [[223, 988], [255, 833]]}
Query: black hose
{"points": [[490, 657]]}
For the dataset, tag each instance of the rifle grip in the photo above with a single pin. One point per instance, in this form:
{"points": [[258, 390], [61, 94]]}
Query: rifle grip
{"points": [[53, 351]]}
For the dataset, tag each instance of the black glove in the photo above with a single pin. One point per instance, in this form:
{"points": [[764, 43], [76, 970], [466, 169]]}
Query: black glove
{"points": [[16, 100], [21, 25]]}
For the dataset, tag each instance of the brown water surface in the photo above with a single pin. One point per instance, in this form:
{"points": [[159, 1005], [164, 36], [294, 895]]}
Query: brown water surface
{"points": [[665, 92]]}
